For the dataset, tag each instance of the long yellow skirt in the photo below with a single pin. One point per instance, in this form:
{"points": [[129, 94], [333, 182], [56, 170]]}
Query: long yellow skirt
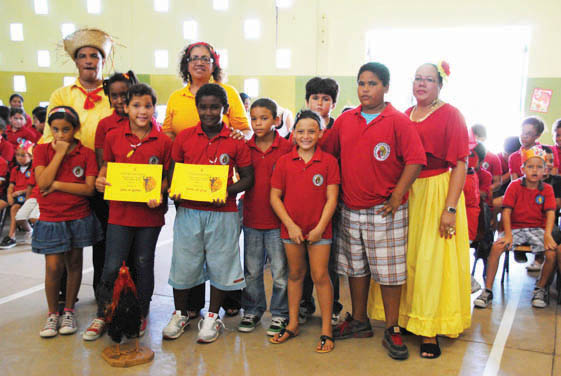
{"points": [[436, 297]]}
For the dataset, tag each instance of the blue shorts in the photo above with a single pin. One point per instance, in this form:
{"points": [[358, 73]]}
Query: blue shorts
{"points": [[319, 242], [59, 237], [206, 247]]}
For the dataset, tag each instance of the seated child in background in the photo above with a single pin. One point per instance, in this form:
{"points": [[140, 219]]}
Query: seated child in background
{"points": [[472, 196], [6, 148], [556, 133], [484, 176], [510, 146], [261, 226], [321, 97], [491, 162], [29, 211], [528, 216], [18, 191], [39, 116], [16, 132], [304, 191]]}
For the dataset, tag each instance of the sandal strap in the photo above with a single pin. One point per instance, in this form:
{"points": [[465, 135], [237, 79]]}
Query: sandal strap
{"points": [[325, 338]]}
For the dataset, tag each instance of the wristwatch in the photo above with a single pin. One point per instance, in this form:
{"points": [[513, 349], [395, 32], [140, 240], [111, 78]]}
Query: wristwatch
{"points": [[451, 209]]}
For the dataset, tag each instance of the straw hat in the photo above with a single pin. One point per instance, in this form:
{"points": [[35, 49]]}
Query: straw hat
{"points": [[88, 38]]}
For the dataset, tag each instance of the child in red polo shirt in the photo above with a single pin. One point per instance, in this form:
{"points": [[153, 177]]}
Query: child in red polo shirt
{"points": [[304, 190], [17, 132], [381, 155], [261, 226], [206, 235], [133, 227], [528, 216], [65, 171], [472, 195], [18, 191]]}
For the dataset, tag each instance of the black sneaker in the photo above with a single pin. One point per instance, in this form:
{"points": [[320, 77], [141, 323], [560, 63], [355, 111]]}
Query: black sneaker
{"points": [[394, 343], [351, 328], [248, 323], [484, 299], [277, 324], [7, 243]]}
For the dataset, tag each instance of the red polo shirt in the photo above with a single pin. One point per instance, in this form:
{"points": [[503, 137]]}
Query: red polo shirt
{"points": [[20, 179], [6, 150], [15, 138], [3, 176], [515, 161], [528, 205], [257, 210], [154, 149], [61, 206], [107, 124], [373, 155], [304, 188], [485, 181], [193, 146], [492, 164], [35, 191]]}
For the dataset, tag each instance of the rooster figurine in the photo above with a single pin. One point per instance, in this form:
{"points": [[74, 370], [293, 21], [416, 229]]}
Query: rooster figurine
{"points": [[123, 318]]}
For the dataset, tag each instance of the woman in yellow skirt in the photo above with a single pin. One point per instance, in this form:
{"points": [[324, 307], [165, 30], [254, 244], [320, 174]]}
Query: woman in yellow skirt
{"points": [[436, 298]]}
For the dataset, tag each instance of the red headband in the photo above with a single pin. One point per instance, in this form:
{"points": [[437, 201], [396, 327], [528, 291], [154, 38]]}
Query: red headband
{"points": [[213, 53], [63, 109]]}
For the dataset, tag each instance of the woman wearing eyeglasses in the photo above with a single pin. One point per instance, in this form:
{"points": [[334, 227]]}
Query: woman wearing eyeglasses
{"points": [[437, 294], [200, 65]]}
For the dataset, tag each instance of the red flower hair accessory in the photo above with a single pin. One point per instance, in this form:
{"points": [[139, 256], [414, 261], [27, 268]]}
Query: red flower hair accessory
{"points": [[444, 69]]}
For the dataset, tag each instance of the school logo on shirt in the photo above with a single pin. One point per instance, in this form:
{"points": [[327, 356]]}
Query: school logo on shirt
{"points": [[28, 174], [540, 199], [317, 180], [224, 159], [485, 165], [154, 160], [78, 171], [382, 151]]}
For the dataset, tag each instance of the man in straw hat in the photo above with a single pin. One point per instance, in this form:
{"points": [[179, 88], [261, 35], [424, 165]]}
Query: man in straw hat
{"points": [[89, 49]]}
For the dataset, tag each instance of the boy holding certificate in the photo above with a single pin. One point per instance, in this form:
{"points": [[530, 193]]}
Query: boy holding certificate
{"points": [[133, 226], [206, 234]]}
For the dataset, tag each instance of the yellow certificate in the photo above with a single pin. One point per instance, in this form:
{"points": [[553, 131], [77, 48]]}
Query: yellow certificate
{"points": [[200, 182], [133, 182]]}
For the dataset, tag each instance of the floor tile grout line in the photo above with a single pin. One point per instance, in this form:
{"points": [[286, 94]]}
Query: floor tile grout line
{"points": [[31, 290]]}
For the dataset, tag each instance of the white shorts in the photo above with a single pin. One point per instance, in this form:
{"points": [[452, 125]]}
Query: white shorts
{"points": [[29, 210]]}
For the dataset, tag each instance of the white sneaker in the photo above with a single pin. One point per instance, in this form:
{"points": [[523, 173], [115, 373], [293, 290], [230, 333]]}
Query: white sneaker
{"points": [[534, 266], [475, 286], [210, 328], [68, 323], [95, 330], [27, 237], [51, 326], [176, 326], [540, 298]]}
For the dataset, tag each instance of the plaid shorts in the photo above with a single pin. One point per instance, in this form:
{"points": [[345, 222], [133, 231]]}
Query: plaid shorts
{"points": [[368, 243], [528, 236]]}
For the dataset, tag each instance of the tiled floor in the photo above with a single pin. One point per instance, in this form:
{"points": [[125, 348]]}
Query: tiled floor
{"points": [[530, 346]]}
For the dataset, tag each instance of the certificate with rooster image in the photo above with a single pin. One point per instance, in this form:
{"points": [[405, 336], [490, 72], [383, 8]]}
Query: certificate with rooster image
{"points": [[133, 182], [200, 182]]}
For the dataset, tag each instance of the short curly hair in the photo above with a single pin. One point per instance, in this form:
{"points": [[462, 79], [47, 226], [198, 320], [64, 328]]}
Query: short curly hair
{"points": [[184, 63]]}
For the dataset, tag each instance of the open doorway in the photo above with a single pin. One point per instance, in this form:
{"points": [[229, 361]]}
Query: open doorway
{"points": [[488, 71]]}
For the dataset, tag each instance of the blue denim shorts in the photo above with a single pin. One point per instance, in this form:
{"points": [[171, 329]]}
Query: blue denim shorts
{"points": [[206, 247], [59, 237], [319, 242]]}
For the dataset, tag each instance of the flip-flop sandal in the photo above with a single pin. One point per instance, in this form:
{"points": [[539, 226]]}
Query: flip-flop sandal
{"points": [[284, 335], [323, 340], [430, 348]]}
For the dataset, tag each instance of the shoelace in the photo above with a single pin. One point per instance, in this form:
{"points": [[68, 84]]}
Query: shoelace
{"points": [[217, 321], [277, 321], [249, 317], [67, 320], [51, 323], [96, 325]]}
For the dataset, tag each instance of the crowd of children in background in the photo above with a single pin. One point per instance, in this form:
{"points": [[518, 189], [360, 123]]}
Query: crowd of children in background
{"points": [[291, 196]]}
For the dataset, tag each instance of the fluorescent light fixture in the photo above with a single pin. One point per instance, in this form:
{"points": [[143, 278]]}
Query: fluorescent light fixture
{"points": [[68, 80], [16, 32], [283, 58], [67, 29], [44, 104], [220, 4], [94, 6], [251, 87], [161, 5], [284, 3], [41, 7], [19, 84], [161, 58], [252, 28], [190, 30], [223, 53], [43, 58]]}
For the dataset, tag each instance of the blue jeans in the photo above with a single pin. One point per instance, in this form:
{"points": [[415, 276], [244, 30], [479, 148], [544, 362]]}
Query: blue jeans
{"points": [[258, 244], [121, 240]]}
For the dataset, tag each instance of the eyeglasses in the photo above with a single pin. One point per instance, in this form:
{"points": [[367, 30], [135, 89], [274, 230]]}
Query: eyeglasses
{"points": [[202, 59], [427, 80]]}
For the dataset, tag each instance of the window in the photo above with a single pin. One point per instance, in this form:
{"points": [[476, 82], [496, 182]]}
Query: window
{"points": [[16, 32], [283, 58], [67, 29], [161, 58], [284, 3], [94, 6], [220, 4], [252, 29], [43, 58], [161, 5], [190, 30], [223, 53], [19, 84], [251, 87], [44, 104], [41, 7], [68, 80]]}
